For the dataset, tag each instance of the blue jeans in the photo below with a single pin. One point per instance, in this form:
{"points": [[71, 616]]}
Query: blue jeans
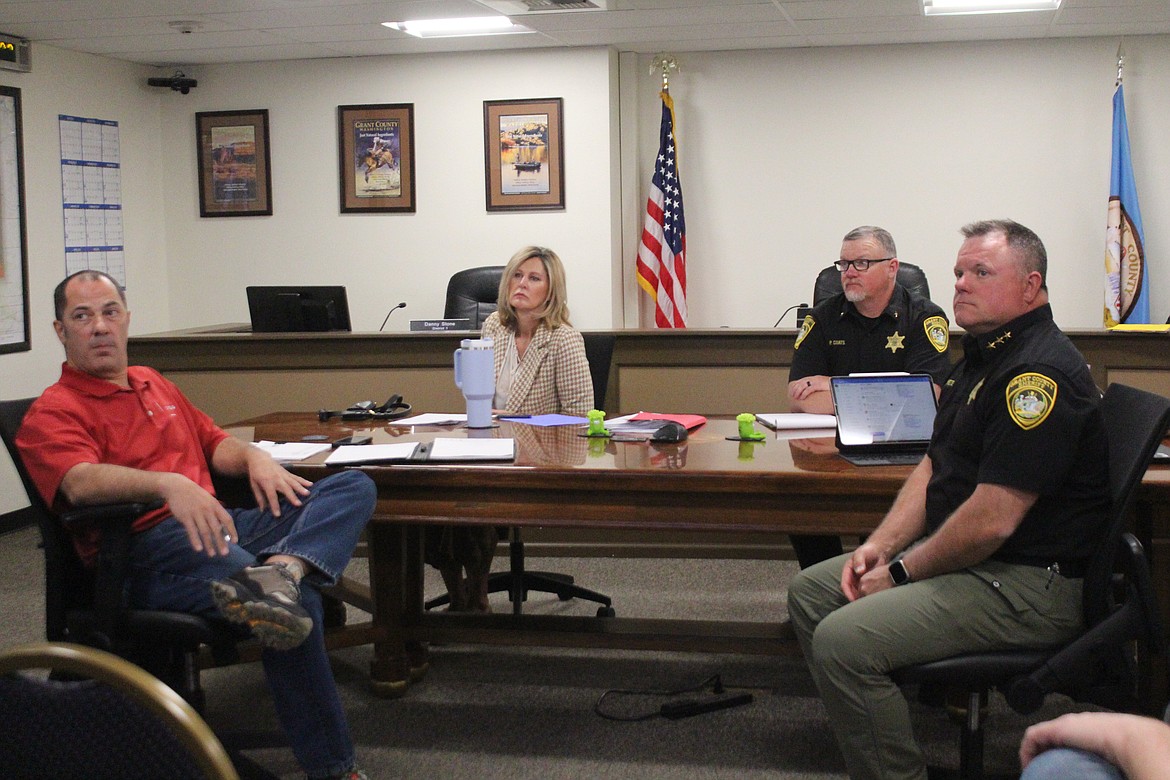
{"points": [[1063, 763], [168, 574]]}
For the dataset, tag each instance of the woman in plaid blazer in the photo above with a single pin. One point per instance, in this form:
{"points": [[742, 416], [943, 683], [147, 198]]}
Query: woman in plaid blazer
{"points": [[540, 369]]}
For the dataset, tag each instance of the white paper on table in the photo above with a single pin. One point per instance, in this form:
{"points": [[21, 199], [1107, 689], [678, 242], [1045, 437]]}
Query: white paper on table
{"points": [[351, 454], [431, 419], [472, 449], [291, 451], [787, 420]]}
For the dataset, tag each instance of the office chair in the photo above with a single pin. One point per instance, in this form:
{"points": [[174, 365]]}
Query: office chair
{"points": [[86, 606], [108, 719], [910, 276], [517, 581], [472, 293], [1120, 611]]}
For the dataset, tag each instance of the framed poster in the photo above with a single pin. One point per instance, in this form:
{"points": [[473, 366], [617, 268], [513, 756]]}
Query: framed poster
{"points": [[376, 158], [14, 316], [524, 154], [235, 170]]}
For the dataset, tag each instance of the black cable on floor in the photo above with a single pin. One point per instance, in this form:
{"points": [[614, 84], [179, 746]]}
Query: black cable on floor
{"points": [[714, 682]]}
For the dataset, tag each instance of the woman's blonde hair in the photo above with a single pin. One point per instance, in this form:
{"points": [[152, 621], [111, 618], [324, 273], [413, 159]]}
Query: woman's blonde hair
{"points": [[555, 311]]}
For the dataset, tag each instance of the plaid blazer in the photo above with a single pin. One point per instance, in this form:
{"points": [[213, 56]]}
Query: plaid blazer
{"points": [[554, 375]]}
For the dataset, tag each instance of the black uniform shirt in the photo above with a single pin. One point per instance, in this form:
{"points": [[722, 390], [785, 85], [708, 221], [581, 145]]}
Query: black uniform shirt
{"points": [[912, 335], [1021, 410]]}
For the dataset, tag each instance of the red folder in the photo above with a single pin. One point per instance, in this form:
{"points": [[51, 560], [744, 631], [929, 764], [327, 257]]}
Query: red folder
{"points": [[688, 421]]}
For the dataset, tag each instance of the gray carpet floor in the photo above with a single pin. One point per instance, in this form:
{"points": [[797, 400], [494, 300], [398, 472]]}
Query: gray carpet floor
{"points": [[493, 712]]}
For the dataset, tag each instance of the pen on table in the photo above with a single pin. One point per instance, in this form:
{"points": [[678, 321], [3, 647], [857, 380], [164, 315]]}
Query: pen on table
{"points": [[513, 416]]}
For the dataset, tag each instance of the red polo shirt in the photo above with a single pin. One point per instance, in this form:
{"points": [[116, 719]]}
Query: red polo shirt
{"points": [[83, 419]]}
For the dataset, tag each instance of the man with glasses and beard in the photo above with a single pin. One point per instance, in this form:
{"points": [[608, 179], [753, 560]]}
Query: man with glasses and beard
{"points": [[873, 325]]}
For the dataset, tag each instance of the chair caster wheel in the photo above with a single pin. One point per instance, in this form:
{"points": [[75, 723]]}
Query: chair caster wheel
{"points": [[605, 612]]}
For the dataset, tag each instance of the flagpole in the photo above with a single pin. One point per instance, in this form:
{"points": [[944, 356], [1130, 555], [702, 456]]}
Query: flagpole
{"points": [[660, 269], [1127, 295], [665, 63]]}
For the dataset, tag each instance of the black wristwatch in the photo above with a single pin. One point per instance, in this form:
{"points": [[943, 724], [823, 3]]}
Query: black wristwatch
{"points": [[898, 573]]}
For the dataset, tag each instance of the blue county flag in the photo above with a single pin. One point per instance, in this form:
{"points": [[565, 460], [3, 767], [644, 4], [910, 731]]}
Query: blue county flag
{"points": [[662, 255], [1127, 289]]}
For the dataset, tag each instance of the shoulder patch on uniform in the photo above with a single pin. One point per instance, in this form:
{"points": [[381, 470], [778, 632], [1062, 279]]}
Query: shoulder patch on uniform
{"points": [[937, 332], [805, 329], [1030, 397]]}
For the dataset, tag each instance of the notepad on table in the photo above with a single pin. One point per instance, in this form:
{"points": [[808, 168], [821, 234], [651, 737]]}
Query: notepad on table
{"points": [[431, 418], [291, 451], [797, 420], [352, 455], [439, 450]]}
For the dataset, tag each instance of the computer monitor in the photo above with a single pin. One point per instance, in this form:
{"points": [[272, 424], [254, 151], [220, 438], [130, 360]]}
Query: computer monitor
{"points": [[283, 309]]}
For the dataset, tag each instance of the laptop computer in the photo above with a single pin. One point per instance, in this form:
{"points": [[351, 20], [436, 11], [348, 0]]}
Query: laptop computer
{"points": [[883, 419]]}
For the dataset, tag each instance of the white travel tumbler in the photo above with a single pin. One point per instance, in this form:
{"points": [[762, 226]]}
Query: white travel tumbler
{"points": [[475, 376]]}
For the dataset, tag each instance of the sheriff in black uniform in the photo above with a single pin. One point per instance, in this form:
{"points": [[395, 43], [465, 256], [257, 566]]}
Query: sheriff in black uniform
{"points": [[874, 324], [1012, 381], [910, 334], [985, 546]]}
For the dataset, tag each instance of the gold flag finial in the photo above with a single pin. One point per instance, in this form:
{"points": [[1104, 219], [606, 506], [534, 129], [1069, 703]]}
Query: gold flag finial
{"points": [[665, 63]]}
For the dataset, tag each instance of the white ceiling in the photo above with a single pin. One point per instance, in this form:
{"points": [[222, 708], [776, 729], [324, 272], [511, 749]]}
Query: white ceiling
{"points": [[255, 30]]}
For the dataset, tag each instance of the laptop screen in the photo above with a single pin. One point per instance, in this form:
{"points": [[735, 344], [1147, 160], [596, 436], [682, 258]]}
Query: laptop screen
{"points": [[888, 409]]}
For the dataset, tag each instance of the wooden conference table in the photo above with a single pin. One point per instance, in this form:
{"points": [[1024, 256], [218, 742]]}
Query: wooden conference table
{"points": [[559, 478]]}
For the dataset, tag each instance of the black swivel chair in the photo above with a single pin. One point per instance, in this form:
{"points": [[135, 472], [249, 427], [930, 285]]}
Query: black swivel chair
{"points": [[1119, 605], [86, 607], [472, 293], [910, 276], [109, 718], [517, 582]]}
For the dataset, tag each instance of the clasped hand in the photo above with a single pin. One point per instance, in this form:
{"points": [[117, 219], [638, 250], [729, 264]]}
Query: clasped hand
{"points": [[865, 573]]}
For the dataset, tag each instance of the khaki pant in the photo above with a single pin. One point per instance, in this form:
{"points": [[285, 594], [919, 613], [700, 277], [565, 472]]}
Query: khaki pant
{"points": [[852, 648]]}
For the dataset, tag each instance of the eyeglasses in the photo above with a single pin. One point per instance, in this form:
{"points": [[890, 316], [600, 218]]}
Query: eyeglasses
{"points": [[860, 265]]}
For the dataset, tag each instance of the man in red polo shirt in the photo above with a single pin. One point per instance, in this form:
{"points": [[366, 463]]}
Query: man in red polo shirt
{"points": [[109, 432]]}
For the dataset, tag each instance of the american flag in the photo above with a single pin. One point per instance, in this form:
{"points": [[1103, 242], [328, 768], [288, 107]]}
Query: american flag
{"points": [[662, 257]]}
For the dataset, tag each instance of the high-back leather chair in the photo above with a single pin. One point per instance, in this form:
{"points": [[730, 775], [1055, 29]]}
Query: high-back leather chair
{"points": [[910, 276], [1120, 610], [472, 293]]}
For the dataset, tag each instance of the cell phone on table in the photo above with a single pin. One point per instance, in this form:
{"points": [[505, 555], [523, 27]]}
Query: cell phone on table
{"points": [[352, 440]]}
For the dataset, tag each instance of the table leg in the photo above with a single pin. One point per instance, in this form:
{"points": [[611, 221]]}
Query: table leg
{"points": [[414, 601], [390, 667]]}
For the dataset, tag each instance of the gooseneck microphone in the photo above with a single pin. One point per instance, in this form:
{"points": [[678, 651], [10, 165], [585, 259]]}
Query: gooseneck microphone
{"points": [[396, 308], [790, 308]]}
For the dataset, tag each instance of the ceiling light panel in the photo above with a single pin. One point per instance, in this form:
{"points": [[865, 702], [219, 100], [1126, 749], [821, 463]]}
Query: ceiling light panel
{"points": [[459, 27], [947, 7]]}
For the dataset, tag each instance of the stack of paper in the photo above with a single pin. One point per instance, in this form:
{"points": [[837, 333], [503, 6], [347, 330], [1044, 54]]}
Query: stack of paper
{"points": [[795, 425], [288, 452], [792, 420]]}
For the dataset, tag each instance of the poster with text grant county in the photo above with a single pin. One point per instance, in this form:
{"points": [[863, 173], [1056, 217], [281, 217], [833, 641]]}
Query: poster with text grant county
{"points": [[375, 158]]}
